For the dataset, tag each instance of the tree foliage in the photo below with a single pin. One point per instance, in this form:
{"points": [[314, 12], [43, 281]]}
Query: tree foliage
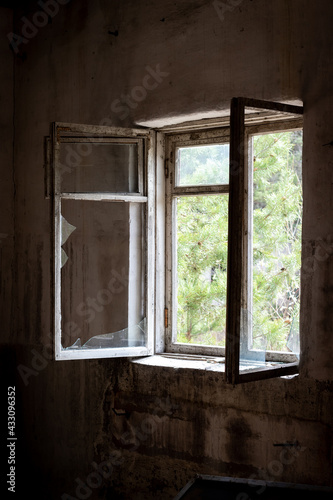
{"points": [[202, 229]]}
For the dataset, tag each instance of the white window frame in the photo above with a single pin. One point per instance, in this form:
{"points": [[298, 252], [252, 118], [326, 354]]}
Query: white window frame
{"points": [[174, 141], [62, 133]]}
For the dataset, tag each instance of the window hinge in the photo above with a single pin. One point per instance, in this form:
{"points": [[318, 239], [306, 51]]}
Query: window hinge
{"points": [[166, 317]]}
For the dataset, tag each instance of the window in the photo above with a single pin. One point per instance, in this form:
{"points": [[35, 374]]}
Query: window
{"points": [[183, 240], [103, 208], [244, 359], [197, 195]]}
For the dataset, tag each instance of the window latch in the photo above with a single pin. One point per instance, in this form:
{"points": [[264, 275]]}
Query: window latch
{"points": [[166, 317]]}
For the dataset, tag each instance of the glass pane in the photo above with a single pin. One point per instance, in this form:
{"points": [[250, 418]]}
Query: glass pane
{"points": [[98, 168], [102, 275], [201, 277], [273, 319], [202, 165]]}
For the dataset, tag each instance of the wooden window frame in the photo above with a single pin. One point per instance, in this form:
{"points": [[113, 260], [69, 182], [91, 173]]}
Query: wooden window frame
{"points": [[238, 238], [218, 135], [62, 133]]}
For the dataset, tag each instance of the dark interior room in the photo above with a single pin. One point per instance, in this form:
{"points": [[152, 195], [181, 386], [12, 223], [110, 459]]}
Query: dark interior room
{"points": [[166, 247]]}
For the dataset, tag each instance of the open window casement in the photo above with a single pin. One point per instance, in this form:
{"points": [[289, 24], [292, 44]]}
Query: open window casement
{"points": [[103, 211], [245, 361]]}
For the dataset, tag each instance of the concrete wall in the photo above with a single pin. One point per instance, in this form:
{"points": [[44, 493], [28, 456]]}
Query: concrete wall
{"points": [[79, 67]]}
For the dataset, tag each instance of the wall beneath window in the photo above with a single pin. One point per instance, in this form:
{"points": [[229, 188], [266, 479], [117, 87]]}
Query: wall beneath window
{"points": [[146, 62]]}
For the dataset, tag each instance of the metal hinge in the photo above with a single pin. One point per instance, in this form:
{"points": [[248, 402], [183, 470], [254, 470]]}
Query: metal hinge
{"points": [[166, 317]]}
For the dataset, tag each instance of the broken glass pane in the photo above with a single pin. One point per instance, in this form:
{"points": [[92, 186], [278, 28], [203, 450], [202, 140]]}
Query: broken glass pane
{"points": [[102, 283], [128, 337], [66, 231]]}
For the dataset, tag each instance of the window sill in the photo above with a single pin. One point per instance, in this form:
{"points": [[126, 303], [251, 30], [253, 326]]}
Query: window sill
{"points": [[185, 361], [189, 362]]}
